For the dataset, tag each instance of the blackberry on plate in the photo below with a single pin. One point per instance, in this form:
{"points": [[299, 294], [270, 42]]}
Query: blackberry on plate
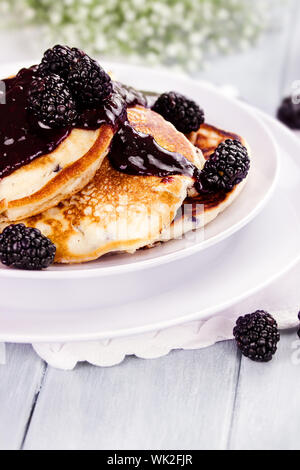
{"points": [[50, 100], [289, 113], [226, 167], [182, 112], [59, 60], [89, 83], [25, 248], [257, 336]]}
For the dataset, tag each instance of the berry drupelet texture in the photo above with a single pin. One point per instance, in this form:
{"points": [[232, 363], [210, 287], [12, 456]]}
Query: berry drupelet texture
{"points": [[50, 100], [59, 60], [182, 112], [289, 113], [25, 248], [257, 336], [226, 167], [89, 83]]}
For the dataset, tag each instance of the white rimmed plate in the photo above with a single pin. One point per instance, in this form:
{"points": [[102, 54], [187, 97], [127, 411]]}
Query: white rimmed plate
{"points": [[220, 111]]}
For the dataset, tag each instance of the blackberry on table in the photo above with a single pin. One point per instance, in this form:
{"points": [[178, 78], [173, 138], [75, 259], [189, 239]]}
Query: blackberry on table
{"points": [[183, 113], [50, 100], [226, 167], [257, 336], [25, 248], [89, 83], [59, 60], [289, 113]]}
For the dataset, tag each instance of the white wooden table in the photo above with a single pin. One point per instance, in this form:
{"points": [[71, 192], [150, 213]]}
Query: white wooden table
{"points": [[206, 399]]}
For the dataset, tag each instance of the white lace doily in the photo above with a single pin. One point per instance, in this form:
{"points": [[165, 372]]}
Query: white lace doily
{"points": [[194, 335]]}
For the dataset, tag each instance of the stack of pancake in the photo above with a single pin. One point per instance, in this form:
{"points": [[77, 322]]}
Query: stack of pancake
{"points": [[88, 208]]}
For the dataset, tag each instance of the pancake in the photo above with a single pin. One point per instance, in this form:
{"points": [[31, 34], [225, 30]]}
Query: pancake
{"points": [[49, 179], [198, 211], [118, 211]]}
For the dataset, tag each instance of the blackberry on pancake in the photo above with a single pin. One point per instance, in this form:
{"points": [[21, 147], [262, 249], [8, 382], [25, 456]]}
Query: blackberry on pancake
{"points": [[183, 113], [225, 168], [50, 100], [200, 209], [59, 60], [89, 83]]}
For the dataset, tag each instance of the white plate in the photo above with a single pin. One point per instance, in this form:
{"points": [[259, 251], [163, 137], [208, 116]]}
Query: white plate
{"points": [[195, 287], [221, 111]]}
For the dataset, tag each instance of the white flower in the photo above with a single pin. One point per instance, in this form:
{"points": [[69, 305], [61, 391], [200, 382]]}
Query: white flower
{"points": [[181, 33]]}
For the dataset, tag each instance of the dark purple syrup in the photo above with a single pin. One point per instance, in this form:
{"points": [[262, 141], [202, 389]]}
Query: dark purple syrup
{"points": [[209, 200], [23, 138], [113, 110], [135, 153]]}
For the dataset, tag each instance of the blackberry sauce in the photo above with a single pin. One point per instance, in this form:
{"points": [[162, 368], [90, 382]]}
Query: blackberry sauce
{"points": [[135, 153], [209, 200], [113, 110], [23, 138]]}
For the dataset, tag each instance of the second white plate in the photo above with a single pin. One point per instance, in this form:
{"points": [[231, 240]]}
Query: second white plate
{"points": [[196, 287]]}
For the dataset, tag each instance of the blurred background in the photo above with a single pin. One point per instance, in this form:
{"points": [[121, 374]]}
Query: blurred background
{"points": [[245, 44]]}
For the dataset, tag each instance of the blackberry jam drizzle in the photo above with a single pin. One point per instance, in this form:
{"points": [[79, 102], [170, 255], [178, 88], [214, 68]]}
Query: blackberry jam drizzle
{"points": [[135, 153], [23, 138]]}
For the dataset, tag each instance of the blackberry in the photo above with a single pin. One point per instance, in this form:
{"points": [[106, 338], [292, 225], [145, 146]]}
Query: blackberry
{"points": [[257, 336], [289, 113], [25, 248], [90, 84], [59, 60], [226, 167], [183, 113], [50, 100]]}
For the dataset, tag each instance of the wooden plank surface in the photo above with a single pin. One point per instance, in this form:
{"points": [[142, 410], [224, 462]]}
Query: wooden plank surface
{"points": [[267, 411], [20, 381], [181, 401], [192, 399]]}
